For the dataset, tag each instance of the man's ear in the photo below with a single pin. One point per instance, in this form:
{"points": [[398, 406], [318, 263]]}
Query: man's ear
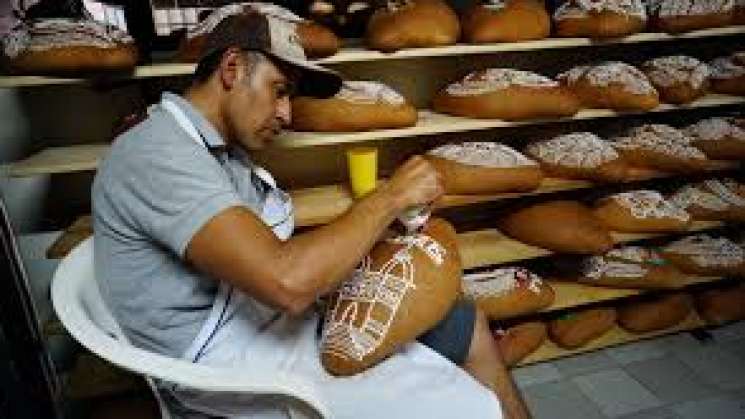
{"points": [[231, 67]]}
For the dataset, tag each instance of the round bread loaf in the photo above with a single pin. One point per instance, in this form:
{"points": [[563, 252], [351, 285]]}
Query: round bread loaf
{"points": [[676, 16], [511, 95], [600, 18], [678, 78], [722, 304], [641, 211], [580, 155], [358, 106], [506, 21], [65, 46], [611, 85], [630, 267], [483, 168], [412, 24], [403, 288], [317, 40], [560, 226], [519, 341], [704, 255], [507, 292], [712, 200], [661, 147], [656, 313], [576, 329], [728, 74], [719, 138]]}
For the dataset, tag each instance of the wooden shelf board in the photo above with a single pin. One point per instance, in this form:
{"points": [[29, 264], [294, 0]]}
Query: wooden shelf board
{"points": [[491, 247], [431, 123], [614, 337], [52, 160]]}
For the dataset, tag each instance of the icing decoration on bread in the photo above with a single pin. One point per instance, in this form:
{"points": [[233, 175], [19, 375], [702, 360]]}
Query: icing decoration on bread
{"points": [[672, 8], [597, 267], [577, 9], [714, 129], [614, 72], [667, 71], [690, 195], [500, 281], [649, 204], [483, 154], [493, 79], [218, 15], [707, 251], [637, 254], [580, 150], [727, 67], [495, 5], [660, 138], [369, 92]]}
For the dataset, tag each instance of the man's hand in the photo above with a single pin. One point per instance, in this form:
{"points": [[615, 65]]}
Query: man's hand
{"points": [[416, 182]]}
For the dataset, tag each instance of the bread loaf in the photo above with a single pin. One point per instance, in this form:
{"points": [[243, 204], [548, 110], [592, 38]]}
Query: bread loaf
{"points": [[611, 85], [507, 292], [704, 255], [712, 200], [600, 18], [630, 267], [676, 16], [656, 313], [641, 211], [412, 24], [506, 21], [678, 78], [519, 341], [576, 329], [661, 147]]}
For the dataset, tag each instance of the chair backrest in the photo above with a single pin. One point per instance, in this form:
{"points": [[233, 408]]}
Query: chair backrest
{"points": [[79, 306]]}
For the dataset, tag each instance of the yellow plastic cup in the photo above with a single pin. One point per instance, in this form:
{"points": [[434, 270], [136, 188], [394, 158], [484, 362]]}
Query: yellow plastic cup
{"points": [[362, 163]]}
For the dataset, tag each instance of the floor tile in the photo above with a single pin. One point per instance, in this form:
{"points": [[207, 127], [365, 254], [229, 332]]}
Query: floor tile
{"points": [[636, 352], [715, 366], [676, 342], [722, 407], [535, 374], [584, 364], [616, 392], [670, 380], [561, 399], [735, 347], [657, 413], [734, 331]]}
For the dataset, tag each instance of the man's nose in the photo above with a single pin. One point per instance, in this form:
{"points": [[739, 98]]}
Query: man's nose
{"points": [[284, 111]]}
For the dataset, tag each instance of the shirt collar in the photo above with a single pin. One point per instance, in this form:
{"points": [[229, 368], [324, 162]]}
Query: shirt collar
{"points": [[206, 129]]}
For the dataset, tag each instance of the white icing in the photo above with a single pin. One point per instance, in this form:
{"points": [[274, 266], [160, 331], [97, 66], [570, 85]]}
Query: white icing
{"points": [[483, 154], [674, 8], [369, 92], [676, 69], [597, 267], [352, 335], [690, 195], [578, 9], [45, 34], [495, 5], [396, 5], [661, 139], [578, 150], [210, 23], [649, 204], [716, 129], [630, 78], [726, 190], [493, 79], [636, 254], [499, 282], [709, 252], [727, 68]]}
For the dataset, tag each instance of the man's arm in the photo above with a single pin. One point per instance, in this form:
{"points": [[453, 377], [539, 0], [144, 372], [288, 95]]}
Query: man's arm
{"points": [[236, 246]]}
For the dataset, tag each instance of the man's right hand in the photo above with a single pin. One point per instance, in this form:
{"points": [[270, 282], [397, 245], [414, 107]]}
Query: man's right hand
{"points": [[416, 182]]}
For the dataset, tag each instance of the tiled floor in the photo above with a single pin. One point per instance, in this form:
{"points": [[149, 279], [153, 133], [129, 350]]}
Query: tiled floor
{"points": [[674, 377]]}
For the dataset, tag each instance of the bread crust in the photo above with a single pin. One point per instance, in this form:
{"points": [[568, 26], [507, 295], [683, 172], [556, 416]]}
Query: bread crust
{"points": [[656, 314], [519, 20], [417, 23], [577, 329]]}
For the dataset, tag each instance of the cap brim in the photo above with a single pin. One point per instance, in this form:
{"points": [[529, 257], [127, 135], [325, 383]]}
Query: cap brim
{"points": [[314, 80]]}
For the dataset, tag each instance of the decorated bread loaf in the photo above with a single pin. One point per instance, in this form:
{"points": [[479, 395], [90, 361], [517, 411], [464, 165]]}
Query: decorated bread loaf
{"points": [[580, 155], [719, 138], [600, 18], [722, 304], [678, 78], [506, 21], [507, 94], [404, 287], [560, 226], [578, 328], [642, 211], [728, 74], [686, 15], [80, 230], [661, 147], [484, 167], [705, 255], [412, 24], [52, 46], [517, 342], [712, 200], [656, 313], [507, 292], [611, 85], [358, 106], [630, 267]]}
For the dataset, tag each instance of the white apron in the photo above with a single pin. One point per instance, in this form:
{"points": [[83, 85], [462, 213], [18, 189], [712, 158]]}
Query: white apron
{"points": [[241, 332]]}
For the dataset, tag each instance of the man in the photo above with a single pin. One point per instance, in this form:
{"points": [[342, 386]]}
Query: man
{"points": [[194, 255]]}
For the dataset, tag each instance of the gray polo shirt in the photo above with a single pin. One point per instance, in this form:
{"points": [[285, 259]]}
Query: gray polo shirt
{"points": [[154, 191]]}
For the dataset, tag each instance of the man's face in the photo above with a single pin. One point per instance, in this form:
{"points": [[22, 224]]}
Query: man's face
{"points": [[258, 104]]}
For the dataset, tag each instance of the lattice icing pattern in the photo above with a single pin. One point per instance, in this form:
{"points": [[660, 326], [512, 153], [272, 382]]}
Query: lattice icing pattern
{"points": [[727, 67], [629, 77], [495, 5], [673, 8], [636, 254], [677, 69], [662, 139], [484, 154], [210, 23], [712, 194], [707, 251], [45, 34], [596, 267], [578, 9], [649, 204], [367, 304], [578, 150], [494, 79], [369, 92], [499, 282], [715, 129]]}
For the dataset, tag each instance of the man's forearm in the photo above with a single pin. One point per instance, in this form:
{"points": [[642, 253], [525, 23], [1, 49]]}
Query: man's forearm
{"points": [[513, 405]]}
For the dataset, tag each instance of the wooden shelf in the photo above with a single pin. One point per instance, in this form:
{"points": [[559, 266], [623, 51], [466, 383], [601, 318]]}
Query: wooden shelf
{"points": [[614, 337], [491, 247], [53, 160], [431, 123], [358, 54]]}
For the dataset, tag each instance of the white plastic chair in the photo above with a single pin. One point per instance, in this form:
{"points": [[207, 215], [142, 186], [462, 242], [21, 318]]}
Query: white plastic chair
{"points": [[82, 311]]}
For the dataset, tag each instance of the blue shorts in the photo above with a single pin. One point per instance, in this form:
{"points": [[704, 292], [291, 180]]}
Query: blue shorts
{"points": [[451, 337]]}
